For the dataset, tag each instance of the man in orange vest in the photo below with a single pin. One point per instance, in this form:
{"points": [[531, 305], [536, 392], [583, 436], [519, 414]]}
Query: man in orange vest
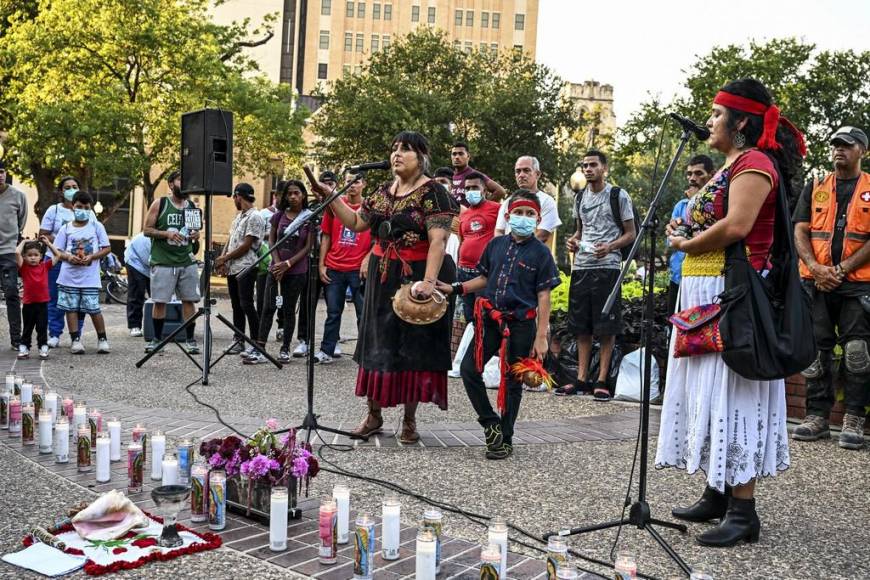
{"points": [[832, 235]]}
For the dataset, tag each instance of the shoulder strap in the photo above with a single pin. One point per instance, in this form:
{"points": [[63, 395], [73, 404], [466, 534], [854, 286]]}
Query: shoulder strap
{"points": [[162, 208], [614, 208]]}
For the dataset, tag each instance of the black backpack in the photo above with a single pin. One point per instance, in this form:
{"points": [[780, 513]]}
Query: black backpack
{"points": [[617, 217]]}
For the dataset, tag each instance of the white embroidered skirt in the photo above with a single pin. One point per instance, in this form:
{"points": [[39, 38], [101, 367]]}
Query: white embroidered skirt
{"points": [[713, 419]]}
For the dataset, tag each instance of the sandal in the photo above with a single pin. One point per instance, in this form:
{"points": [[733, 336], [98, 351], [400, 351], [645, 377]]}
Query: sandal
{"points": [[600, 391], [409, 433], [575, 388], [371, 425]]}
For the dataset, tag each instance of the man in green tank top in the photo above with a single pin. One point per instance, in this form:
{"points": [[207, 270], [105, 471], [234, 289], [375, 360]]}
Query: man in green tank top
{"points": [[173, 268]]}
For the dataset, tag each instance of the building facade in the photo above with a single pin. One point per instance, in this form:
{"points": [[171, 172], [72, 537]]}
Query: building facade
{"points": [[595, 101]]}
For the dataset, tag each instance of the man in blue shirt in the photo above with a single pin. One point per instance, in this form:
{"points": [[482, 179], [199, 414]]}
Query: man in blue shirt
{"points": [[698, 173], [136, 258], [511, 317]]}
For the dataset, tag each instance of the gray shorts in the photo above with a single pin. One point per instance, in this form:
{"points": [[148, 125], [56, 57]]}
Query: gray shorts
{"points": [[182, 281]]}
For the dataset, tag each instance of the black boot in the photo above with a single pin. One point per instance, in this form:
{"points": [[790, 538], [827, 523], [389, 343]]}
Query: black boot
{"points": [[711, 506], [740, 523]]}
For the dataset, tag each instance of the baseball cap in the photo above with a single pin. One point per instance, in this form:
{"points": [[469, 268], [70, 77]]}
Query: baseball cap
{"points": [[850, 135], [328, 176], [244, 190]]}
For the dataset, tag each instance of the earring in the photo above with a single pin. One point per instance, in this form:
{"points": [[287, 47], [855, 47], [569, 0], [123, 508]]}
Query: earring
{"points": [[739, 140]]}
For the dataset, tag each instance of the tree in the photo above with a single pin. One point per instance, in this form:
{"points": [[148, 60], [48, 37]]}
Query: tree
{"points": [[98, 86], [503, 105]]}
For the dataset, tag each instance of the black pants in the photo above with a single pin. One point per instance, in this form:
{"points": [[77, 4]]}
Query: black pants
{"points": [[242, 298], [302, 330], [9, 279], [291, 286], [520, 343], [138, 286], [35, 317], [673, 292]]}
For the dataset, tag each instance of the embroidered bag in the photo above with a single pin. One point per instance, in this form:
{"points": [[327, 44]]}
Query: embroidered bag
{"points": [[697, 330]]}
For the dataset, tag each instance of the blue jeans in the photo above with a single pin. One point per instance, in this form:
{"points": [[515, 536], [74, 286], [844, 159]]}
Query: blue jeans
{"points": [[336, 291], [57, 317], [464, 275]]}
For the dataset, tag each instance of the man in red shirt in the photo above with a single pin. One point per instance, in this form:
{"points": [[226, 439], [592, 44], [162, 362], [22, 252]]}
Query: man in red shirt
{"points": [[476, 229], [343, 255], [460, 155]]}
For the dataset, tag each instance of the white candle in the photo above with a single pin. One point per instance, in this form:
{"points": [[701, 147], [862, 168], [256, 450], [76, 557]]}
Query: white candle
{"points": [[341, 495], [158, 450], [170, 469], [80, 416], [114, 426], [104, 472], [45, 426], [391, 527], [498, 535], [61, 441], [51, 405], [425, 555], [26, 393], [278, 519]]}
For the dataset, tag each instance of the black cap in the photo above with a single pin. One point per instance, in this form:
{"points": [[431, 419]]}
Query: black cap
{"points": [[173, 176], [244, 190], [849, 135], [328, 176]]}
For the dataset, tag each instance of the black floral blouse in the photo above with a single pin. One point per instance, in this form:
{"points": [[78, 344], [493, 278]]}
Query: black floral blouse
{"points": [[407, 220]]}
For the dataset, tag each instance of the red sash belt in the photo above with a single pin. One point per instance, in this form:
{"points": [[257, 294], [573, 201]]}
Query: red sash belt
{"points": [[483, 307], [415, 253]]}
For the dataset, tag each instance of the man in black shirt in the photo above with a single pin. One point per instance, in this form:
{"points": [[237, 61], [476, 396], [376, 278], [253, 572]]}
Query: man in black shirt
{"points": [[833, 240]]}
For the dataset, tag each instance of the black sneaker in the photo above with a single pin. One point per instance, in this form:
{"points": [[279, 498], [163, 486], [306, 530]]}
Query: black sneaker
{"points": [[237, 348], [493, 436], [575, 388], [600, 392], [505, 451]]}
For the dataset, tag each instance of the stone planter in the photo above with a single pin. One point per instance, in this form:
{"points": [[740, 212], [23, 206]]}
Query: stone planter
{"points": [[240, 489]]}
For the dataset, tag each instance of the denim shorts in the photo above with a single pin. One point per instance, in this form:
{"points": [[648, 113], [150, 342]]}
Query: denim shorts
{"points": [[71, 299]]}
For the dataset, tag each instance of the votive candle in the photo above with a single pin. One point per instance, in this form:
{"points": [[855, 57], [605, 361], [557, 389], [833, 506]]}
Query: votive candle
{"points": [[392, 525], [280, 503], [341, 495], [114, 426], [45, 432], [61, 441], [425, 564], [104, 471], [170, 469], [158, 450]]}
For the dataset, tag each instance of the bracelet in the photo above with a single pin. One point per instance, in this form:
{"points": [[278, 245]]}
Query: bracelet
{"points": [[458, 288]]}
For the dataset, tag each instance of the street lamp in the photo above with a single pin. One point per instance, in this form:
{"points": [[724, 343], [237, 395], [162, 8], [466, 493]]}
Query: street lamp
{"points": [[577, 180]]}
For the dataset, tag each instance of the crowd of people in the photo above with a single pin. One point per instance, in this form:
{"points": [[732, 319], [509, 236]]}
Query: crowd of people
{"points": [[456, 235]]}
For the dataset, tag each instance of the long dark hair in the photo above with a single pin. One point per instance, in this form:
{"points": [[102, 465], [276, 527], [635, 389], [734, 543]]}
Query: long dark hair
{"points": [[283, 204], [788, 158]]}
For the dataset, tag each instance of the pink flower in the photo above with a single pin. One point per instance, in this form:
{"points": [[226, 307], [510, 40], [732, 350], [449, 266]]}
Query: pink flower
{"points": [[272, 424]]}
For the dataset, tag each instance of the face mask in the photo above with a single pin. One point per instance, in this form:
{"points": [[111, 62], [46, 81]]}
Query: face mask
{"points": [[81, 215], [474, 196], [69, 194], [521, 225]]}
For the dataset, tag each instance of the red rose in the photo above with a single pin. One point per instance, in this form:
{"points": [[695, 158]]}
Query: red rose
{"points": [[143, 543], [119, 550], [313, 466]]}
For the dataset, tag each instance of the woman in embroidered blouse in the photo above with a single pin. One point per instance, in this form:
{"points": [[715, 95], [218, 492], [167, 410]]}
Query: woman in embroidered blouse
{"points": [[410, 219], [713, 419]]}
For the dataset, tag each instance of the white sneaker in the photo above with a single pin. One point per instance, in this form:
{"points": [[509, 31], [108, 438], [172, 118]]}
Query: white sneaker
{"points": [[103, 346], [77, 347], [322, 358], [255, 359], [136, 332], [300, 350], [23, 351], [248, 353], [53, 341], [43, 351], [337, 352]]}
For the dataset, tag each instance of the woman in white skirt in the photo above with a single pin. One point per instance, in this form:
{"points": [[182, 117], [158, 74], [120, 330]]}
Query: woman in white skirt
{"points": [[732, 428]]}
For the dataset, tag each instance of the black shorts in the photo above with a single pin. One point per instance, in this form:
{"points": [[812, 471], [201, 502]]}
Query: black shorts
{"points": [[586, 298]]}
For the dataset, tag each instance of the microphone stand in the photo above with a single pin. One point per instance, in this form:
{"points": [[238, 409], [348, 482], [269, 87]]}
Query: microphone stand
{"points": [[640, 514]]}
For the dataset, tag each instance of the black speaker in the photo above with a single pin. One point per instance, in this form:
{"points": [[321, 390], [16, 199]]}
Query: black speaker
{"points": [[207, 152]]}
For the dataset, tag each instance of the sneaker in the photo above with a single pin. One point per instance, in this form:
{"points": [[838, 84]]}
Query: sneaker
{"points": [[337, 352], [248, 353], [23, 351], [575, 388], [493, 437], [53, 341], [322, 358], [813, 428], [300, 350], [600, 392], [284, 356], [852, 435], [77, 347], [43, 351], [255, 358], [190, 346], [151, 346], [505, 451], [136, 332], [103, 346], [236, 348]]}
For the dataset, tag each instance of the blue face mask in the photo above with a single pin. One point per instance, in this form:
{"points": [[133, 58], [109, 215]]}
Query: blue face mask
{"points": [[521, 225], [474, 196], [81, 215], [69, 194]]}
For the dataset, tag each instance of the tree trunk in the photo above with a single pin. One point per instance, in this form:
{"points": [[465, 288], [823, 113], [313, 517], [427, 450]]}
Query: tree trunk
{"points": [[110, 210], [45, 187]]}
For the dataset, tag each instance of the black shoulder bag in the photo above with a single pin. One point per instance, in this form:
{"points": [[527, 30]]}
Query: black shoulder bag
{"points": [[766, 322]]}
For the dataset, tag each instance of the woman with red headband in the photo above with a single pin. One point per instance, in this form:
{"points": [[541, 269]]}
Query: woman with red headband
{"points": [[732, 428]]}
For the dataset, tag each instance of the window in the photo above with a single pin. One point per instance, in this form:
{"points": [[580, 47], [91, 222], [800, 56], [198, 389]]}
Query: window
{"points": [[361, 10], [349, 10], [469, 18], [458, 18], [348, 41], [415, 14], [457, 45], [324, 39], [359, 42], [431, 15], [375, 43], [520, 22], [494, 47], [483, 47], [388, 11], [326, 7], [321, 71], [385, 41], [357, 69], [484, 19], [345, 69], [496, 19], [376, 11], [467, 46]]}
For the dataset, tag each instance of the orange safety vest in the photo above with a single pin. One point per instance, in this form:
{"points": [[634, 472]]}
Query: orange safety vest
{"points": [[823, 214]]}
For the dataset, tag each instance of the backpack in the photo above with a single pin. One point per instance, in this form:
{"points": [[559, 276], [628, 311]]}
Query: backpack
{"points": [[617, 217]]}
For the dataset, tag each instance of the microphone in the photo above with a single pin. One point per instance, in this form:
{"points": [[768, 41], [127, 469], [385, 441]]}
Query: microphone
{"points": [[368, 166], [701, 133]]}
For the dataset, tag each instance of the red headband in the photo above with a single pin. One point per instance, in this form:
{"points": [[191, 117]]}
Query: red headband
{"points": [[524, 203], [772, 119]]}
